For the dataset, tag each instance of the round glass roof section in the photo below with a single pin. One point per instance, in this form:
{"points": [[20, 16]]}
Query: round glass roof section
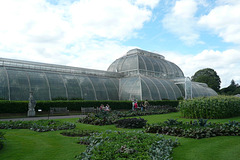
{"points": [[146, 63]]}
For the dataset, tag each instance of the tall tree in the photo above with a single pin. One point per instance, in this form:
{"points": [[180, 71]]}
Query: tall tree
{"points": [[208, 76], [232, 89]]}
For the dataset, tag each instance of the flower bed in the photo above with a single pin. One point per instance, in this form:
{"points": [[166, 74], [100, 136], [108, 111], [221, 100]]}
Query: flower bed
{"points": [[38, 126], [126, 145], [131, 123], [108, 118], [196, 129]]}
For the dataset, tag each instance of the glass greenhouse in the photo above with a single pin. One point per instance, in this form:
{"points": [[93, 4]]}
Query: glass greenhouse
{"points": [[137, 75]]}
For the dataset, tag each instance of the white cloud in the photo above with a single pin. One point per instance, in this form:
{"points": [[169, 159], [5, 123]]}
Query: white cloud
{"points": [[225, 63], [224, 20], [77, 33], [181, 21], [150, 3]]}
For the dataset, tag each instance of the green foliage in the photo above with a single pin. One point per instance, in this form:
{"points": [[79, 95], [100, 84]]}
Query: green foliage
{"points": [[131, 123], [197, 129], [1, 140], [78, 133], [108, 118], [94, 119], [72, 105], [232, 89], [38, 126], [13, 106], [211, 107], [208, 76], [126, 145], [60, 99]]}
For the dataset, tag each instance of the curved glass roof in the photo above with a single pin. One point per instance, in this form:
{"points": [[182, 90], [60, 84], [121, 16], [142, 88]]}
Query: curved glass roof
{"points": [[137, 61], [142, 87], [16, 84]]}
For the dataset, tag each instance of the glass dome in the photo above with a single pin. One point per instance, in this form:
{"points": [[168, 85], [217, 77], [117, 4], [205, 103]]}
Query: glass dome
{"points": [[146, 63]]}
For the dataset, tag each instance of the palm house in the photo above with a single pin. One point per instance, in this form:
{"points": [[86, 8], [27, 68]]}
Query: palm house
{"points": [[137, 75]]}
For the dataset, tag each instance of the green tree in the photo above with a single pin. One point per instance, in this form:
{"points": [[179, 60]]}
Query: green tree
{"points": [[208, 76], [232, 89]]}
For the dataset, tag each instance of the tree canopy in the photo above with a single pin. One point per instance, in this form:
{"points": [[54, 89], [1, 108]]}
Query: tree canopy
{"points": [[232, 89], [208, 76]]}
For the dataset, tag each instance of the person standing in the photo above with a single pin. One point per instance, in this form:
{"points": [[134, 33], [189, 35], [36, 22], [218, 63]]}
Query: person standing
{"points": [[135, 105], [141, 106], [133, 102], [146, 104]]}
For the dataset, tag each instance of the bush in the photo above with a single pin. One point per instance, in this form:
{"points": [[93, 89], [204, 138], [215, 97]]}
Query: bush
{"points": [[131, 123], [211, 107], [1, 140], [72, 105], [107, 118], [95, 120], [126, 145], [39, 126], [197, 129]]}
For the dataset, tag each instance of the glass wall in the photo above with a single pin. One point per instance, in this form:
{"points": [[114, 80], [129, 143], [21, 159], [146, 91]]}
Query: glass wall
{"points": [[19, 85], [39, 85], [4, 93], [141, 88]]}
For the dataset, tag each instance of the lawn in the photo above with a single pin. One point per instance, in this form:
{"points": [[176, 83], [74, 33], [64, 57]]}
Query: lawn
{"points": [[24, 144]]}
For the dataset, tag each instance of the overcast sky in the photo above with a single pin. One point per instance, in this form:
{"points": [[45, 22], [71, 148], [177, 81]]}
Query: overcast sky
{"points": [[194, 34]]}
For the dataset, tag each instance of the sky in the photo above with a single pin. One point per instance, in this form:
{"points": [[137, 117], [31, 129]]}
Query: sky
{"points": [[194, 34]]}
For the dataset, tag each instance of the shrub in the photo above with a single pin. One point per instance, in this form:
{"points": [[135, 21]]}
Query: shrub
{"points": [[197, 129], [126, 145], [211, 107], [95, 120], [131, 123], [72, 105], [105, 117]]}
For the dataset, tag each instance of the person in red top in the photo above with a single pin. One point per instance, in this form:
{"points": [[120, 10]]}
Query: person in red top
{"points": [[135, 106]]}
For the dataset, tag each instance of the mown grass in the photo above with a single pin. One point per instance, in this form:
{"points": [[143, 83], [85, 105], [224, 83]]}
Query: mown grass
{"points": [[23, 144]]}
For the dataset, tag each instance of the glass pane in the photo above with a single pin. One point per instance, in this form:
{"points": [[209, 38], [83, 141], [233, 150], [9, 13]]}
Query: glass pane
{"points": [[99, 88], [56, 85], [130, 63], [169, 89], [19, 85], [161, 88], [3, 85], [130, 88], [148, 63], [155, 65], [73, 88], [152, 87], [111, 88], [141, 63], [39, 85], [87, 88]]}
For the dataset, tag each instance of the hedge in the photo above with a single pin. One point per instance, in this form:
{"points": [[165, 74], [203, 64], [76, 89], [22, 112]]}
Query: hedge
{"points": [[211, 107], [72, 105]]}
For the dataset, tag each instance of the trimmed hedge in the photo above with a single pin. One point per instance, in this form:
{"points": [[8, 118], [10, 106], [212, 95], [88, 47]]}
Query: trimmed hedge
{"points": [[72, 105], [211, 107]]}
